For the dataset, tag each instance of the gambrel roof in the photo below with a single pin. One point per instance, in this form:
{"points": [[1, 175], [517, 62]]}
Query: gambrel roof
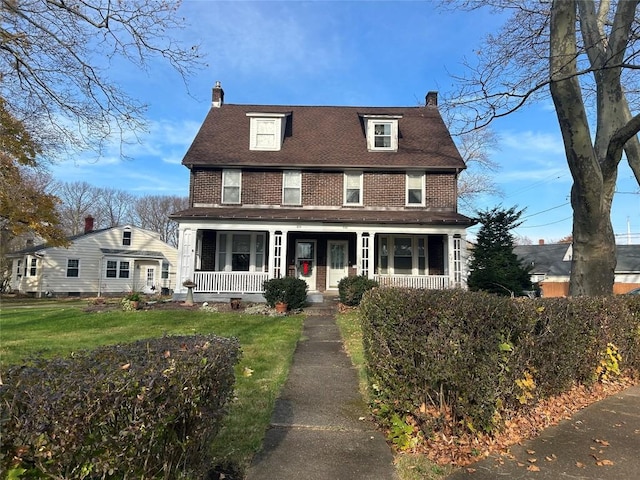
{"points": [[325, 137]]}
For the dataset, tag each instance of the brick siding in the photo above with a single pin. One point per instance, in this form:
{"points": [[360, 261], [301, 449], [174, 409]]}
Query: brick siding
{"points": [[324, 189]]}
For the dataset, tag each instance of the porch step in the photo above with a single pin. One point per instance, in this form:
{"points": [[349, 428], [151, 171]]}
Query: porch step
{"points": [[327, 305]]}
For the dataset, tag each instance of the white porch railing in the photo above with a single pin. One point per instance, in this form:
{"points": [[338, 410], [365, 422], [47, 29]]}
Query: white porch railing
{"points": [[430, 282], [229, 282]]}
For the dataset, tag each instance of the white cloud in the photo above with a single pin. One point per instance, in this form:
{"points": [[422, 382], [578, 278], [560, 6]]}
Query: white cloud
{"points": [[533, 143]]}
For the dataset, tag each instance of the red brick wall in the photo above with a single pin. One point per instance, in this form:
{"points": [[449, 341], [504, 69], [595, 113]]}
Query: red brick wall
{"points": [[383, 189]]}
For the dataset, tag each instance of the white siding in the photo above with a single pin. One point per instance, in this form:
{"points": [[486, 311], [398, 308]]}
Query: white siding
{"points": [[52, 271]]}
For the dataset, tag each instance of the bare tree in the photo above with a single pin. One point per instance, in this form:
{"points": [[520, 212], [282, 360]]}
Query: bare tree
{"points": [[475, 147], [584, 54], [153, 212], [55, 58], [77, 201], [116, 207]]}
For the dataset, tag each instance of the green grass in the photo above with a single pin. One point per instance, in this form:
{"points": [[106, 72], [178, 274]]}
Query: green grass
{"points": [[268, 343], [408, 466]]}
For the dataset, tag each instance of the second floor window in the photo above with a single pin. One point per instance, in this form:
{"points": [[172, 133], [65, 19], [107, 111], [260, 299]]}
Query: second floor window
{"points": [[126, 237], [353, 188], [415, 188], [292, 188], [231, 181], [73, 267], [382, 135]]}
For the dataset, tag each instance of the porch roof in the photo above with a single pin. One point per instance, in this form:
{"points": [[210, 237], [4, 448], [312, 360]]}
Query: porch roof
{"points": [[387, 217]]}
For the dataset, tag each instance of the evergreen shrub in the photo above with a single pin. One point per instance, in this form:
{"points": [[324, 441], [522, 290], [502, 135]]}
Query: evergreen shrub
{"points": [[352, 288], [290, 290], [474, 355], [143, 410]]}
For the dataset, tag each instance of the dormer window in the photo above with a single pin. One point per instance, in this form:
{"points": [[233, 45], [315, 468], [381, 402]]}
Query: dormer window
{"points": [[266, 131], [382, 132]]}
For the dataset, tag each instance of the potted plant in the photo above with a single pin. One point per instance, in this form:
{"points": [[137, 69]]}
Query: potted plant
{"points": [[285, 293], [132, 300]]}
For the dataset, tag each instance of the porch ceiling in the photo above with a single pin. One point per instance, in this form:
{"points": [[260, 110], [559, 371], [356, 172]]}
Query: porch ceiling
{"points": [[408, 217]]}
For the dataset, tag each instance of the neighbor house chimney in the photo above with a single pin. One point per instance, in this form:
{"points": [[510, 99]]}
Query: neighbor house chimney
{"points": [[541, 241], [432, 99], [217, 96], [88, 224]]}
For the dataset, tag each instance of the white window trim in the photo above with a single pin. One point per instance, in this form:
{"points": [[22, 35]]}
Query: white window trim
{"points": [[299, 188], [422, 184], [239, 186], [371, 121], [361, 187], [67, 269], [279, 121], [118, 268], [252, 251], [125, 231]]}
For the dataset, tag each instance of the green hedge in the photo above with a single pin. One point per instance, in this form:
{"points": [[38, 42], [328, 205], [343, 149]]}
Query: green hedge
{"points": [[478, 354], [290, 290], [351, 289], [143, 410]]}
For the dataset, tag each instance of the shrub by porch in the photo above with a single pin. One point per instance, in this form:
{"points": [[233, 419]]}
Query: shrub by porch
{"points": [[470, 359]]}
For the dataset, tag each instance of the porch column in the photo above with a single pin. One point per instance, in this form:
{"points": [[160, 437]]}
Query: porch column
{"points": [[364, 254], [186, 254], [277, 253], [454, 246]]}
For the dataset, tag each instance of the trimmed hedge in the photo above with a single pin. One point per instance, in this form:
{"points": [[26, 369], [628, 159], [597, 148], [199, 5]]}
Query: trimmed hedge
{"points": [[351, 289], [478, 355], [143, 410]]}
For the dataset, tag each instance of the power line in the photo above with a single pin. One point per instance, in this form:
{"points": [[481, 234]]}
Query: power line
{"points": [[547, 224], [544, 211]]}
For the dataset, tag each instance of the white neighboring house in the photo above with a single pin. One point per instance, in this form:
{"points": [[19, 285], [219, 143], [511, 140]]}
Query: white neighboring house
{"points": [[110, 261]]}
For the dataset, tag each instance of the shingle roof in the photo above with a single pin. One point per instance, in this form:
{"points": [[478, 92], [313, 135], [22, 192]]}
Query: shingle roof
{"points": [[409, 217], [325, 136], [547, 259]]}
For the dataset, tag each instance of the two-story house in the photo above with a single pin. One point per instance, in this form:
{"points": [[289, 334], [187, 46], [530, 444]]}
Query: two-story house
{"points": [[321, 192]]}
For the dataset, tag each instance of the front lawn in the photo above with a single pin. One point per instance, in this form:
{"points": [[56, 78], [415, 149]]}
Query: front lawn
{"points": [[268, 343]]}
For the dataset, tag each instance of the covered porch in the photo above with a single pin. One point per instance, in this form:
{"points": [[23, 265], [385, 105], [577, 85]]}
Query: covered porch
{"points": [[230, 261]]}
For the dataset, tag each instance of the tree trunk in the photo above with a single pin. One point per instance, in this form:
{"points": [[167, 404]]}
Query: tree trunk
{"points": [[593, 262]]}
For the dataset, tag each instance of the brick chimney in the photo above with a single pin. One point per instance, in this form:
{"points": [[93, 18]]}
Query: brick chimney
{"points": [[431, 99], [541, 241], [88, 224], [217, 97]]}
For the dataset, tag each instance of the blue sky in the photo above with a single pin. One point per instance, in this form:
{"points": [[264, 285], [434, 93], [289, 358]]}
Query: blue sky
{"points": [[361, 53]]}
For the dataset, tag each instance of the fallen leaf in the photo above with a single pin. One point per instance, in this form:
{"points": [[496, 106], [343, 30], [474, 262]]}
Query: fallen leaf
{"points": [[551, 458], [605, 463], [247, 372], [604, 443], [533, 468], [579, 464], [167, 354], [531, 452], [532, 460], [471, 470], [125, 366]]}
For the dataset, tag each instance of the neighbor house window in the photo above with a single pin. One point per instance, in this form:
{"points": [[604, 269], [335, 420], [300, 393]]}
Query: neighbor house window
{"points": [[415, 188], [123, 272], [33, 270], [73, 267], [292, 187], [117, 269], [231, 181], [165, 270], [126, 237], [240, 252], [353, 188], [19, 268]]}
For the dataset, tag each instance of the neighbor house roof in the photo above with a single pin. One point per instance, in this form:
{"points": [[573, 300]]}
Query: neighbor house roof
{"points": [[325, 137], [555, 259]]}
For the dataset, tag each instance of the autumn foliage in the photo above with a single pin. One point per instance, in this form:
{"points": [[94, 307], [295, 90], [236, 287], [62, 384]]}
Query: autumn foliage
{"points": [[455, 373]]}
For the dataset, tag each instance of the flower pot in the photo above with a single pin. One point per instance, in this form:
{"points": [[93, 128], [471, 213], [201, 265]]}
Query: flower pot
{"points": [[281, 307]]}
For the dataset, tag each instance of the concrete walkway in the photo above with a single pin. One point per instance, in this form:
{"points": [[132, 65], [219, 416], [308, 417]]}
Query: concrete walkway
{"points": [[320, 428], [600, 442]]}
